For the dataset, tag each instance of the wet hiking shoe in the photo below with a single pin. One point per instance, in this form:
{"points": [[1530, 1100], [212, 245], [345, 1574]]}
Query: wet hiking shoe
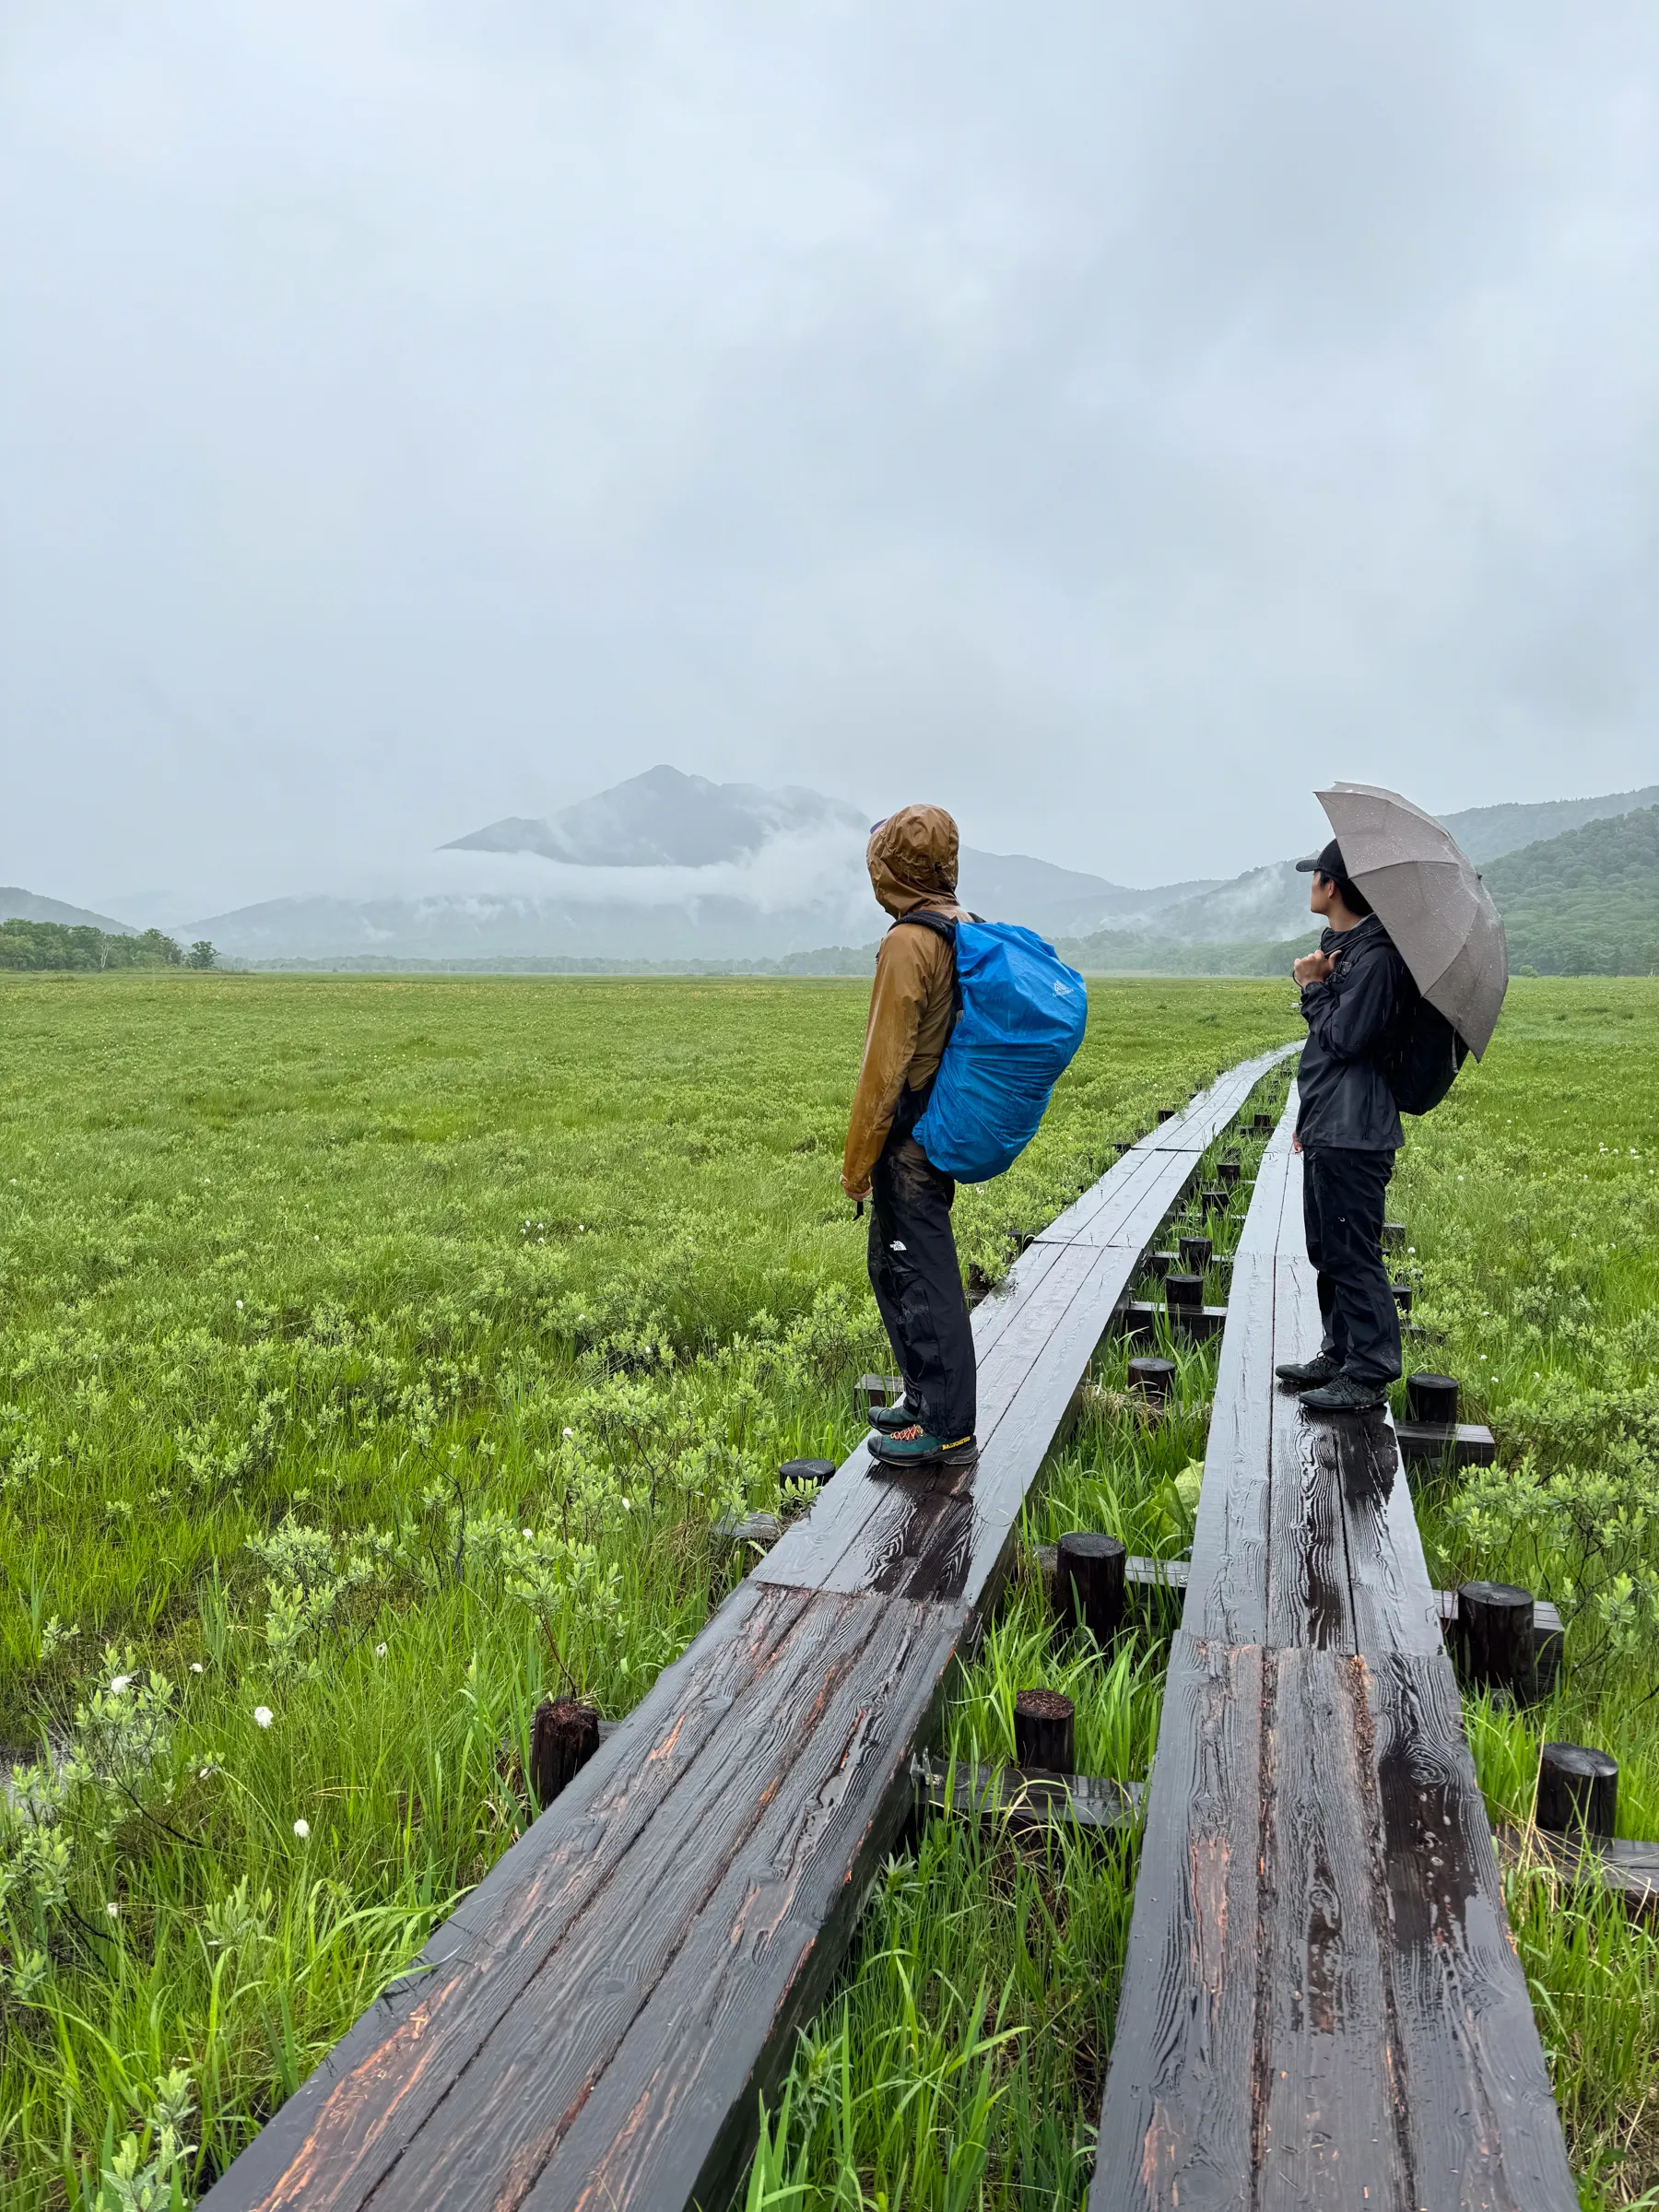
{"points": [[1307, 1374], [888, 1419], [1345, 1395], [912, 1447]]}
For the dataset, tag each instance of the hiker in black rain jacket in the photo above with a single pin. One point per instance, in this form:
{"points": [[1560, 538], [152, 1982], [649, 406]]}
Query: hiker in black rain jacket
{"points": [[1356, 992]]}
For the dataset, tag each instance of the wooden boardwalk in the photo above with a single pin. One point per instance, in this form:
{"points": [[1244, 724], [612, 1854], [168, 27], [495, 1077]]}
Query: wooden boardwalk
{"points": [[592, 2028], [1320, 2003]]}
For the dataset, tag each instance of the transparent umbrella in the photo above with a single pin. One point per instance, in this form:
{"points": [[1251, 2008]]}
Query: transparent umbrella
{"points": [[1432, 901]]}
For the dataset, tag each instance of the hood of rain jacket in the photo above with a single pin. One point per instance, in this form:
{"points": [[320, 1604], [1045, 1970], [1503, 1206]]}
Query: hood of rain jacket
{"points": [[913, 862]]}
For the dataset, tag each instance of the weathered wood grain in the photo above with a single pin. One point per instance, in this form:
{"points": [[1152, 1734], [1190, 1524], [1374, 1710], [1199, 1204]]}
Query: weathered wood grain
{"points": [[1176, 2129], [1330, 2118], [1226, 1583], [1483, 2124], [1308, 1600]]}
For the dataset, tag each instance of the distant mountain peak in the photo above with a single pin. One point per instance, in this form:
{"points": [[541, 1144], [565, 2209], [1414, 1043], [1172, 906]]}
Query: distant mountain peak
{"points": [[666, 818]]}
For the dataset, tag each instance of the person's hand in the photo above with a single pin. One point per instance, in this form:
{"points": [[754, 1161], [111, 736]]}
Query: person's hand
{"points": [[858, 1197], [1295, 1142], [1313, 968]]}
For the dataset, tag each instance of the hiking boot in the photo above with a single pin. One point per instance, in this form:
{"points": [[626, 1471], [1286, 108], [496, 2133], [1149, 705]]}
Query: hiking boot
{"points": [[1307, 1374], [888, 1419], [912, 1447], [1345, 1395]]}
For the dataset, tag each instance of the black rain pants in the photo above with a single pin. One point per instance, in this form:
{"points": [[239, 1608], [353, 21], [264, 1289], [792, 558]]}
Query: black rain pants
{"points": [[918, 1284], [1343, 1193]]}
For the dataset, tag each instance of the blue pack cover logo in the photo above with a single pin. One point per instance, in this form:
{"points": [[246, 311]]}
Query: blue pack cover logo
{"points": [[1022, 1015]]}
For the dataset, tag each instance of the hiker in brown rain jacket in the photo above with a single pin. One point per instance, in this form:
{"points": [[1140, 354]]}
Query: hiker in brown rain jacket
{"points": [[913, 1267]]}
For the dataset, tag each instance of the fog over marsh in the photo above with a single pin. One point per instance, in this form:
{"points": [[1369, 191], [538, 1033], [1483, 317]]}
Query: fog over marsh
{"points": [[1109, 421]]}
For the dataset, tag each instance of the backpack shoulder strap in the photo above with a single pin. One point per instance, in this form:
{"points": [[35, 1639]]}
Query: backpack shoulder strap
{"points": [[941, 927]]}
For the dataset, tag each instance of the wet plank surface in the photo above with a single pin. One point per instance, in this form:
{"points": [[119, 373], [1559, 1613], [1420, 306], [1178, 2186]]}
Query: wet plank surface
{"points": [[1321, 2004], [594, 2026]]}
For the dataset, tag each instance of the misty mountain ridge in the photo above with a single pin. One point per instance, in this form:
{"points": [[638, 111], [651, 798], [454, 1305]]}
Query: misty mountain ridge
{"points": [[18, 905], [667, 867]]}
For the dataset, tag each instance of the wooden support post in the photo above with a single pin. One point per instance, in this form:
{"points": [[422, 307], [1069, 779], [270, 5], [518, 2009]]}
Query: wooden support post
{"points": [[1195, 1253], [1213, 1198], [1043, 1732], [1402, 1296], [1394, 1236], [1495, 1637], [1432, 1398], [1153, 1379], [1577, 1787], [879, 1390], [1088, 1583], [563, 1737], [1229, 1170], [1183, 1294], [1262, 1124], [1167, 1113], [806, 1474]]}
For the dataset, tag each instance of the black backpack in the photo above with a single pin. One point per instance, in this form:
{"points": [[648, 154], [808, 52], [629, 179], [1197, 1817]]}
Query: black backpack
{"points": [[1422, 1058]]}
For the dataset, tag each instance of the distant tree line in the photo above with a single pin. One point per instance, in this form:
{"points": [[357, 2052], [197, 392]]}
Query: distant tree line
{"points": [[57, 945]]}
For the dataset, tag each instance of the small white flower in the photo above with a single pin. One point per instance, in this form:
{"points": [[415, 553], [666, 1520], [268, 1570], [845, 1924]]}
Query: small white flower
{"points": [[627, 1505], [118, 1683], [196, 1667], [380, 1650], [113, 1911], [263, 1715], [570, 1431], [239, 1303], [206, 1773], [302, 1829], [528, 1534]]}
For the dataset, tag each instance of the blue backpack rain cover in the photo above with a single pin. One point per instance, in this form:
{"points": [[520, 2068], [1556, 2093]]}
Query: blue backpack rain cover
{"points": [[1021, 1020]]}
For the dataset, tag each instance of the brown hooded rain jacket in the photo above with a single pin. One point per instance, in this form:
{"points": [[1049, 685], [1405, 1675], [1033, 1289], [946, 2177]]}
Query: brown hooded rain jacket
{"points": [[912, 864]]}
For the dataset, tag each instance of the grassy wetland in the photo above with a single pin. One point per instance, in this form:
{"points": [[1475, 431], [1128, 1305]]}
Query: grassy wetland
{"points": [[374, 1357]]}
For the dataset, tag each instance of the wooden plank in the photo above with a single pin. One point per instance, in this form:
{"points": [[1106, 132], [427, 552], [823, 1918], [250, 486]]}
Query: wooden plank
{"points": [[1140, 1317], [1098, 1211], [1321, 2004], [1627, 1871], [1308, 1600], [1175, 2130], [1227, 1586], [1483, 2124], [1466, 1444], [1396, 1608], [1331, 2125], [1033, 1803]]}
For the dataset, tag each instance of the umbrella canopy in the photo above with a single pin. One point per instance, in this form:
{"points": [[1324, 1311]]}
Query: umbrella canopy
{"points": [[1432, 901]]}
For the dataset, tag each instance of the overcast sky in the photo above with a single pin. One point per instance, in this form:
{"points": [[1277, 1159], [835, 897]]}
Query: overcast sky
{"points": [[1105, 419]]}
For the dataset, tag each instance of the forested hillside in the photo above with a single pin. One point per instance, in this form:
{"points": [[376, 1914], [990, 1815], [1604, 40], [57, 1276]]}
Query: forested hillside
{"points": [[1586, 902]]}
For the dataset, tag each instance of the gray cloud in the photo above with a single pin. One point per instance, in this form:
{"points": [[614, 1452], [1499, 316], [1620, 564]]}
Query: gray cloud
{"points": [[1109, 421]]}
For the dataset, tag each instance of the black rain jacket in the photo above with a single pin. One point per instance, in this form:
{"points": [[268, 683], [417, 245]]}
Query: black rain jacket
{"points": [[1345, 1096]]}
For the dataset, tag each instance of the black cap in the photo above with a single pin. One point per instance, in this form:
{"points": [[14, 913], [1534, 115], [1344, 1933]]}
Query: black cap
{"points": [[1327, 863]]}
